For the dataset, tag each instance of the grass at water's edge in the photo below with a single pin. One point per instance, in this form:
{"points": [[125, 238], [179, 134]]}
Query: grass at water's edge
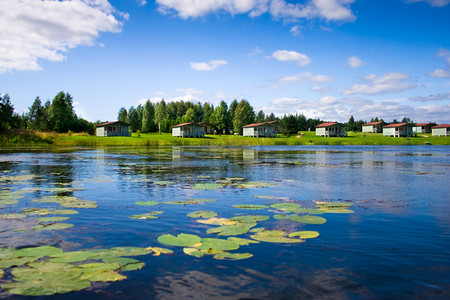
{"points": [[48, 139]]}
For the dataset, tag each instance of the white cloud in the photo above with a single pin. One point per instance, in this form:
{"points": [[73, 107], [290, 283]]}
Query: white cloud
{"points": [[391, 82], [294, 30], [354, 62], [332, 10], [31, 30], [436, 3], [440, 73], [305, 77], [190, 91], [440, 96], [207, 66], [291, 56]]}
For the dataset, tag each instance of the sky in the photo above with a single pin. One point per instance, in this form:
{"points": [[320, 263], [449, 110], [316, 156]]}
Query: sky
{"points": [[327, 59]]}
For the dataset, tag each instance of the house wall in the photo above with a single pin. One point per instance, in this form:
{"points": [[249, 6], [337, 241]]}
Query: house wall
{"points": [[248, 131], [440, 131], [320, 131], [100, 131], [403, 131], [188, 131], [176, 131], [367, 128]]}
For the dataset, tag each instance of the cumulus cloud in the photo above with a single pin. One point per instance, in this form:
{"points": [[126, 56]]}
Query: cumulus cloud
{"points": [[33, 30], [354, 62], [391, 82], [291, 56], [332, 10], [207, 66], [294, 30], [435, 3], [440, 96], [190, 91], [439, 73], [305, 77]]}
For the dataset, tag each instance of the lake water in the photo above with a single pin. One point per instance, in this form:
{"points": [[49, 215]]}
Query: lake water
{"points": [[395, 244]]}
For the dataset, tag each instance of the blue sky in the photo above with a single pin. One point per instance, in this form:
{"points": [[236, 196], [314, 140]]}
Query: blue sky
{"points": [[327, 59]]}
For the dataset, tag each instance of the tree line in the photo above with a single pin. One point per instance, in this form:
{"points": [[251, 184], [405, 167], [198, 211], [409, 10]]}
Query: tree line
{"points": [[59, 115]]}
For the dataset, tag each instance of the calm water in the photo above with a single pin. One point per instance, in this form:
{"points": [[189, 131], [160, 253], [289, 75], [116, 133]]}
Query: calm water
{"points": [[396, 244]]}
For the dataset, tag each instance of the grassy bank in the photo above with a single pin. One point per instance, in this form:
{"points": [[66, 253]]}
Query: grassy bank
{"points": [[28, 138]]}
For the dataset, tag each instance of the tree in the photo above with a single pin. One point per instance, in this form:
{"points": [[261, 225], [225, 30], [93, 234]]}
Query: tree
{"points": [[289, 125], [62, 115], [260, 117], [36, 119], [6, 113], [148, 117], [220, 118], [351, 124], [208, 111], [232, 108], [160, 113], [189, 116], [406, 120], [134, 118], [123, 115], [243, 115]]}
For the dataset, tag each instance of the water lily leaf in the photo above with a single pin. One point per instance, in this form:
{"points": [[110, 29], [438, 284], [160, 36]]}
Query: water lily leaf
{"points": [[232, 256], [193, 252], [202, 214], [52, 219], [255, 184], [2, 273], [241, 241], [63, 212], [95, 267], [164, 182], [8, 201], [207, 186], [80, 204], [218, 244], [251, 206], [189, 201], [44, 269], [304, 234], [217, 221], [40, 251], [62, 190], [204, 177], [55, 199], [235, 179], [157, 250], [126, 264], [337, 204], [231, 229], [33, 211], [122, 251], [281, 217], [72, 256], [273, 236], [150, 215], [16, 261], [146, 203], [249, 218], [17, 178], [310, 211], [103, 276], [308, 219], [286, 207], [181, 240], [53, 226], [12, 216]]}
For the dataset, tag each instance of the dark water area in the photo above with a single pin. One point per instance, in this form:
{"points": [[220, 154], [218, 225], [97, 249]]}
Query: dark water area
{"points": [[395, 244]]}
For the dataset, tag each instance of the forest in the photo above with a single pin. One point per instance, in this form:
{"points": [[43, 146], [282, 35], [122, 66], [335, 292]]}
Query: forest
{"points": [[59, 116]]}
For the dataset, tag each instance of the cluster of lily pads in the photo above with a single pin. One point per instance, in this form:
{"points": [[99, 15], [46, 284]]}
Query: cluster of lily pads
{"points": [[47, 270]]}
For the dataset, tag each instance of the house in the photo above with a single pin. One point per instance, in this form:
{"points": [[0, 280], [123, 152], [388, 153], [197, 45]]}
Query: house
{"points": [[422, 127], [209, 129], [259, 130], [277, 126], [441, 130], [373, 127], [117, 128], [330, 129], [398, 130], [190, 129]]}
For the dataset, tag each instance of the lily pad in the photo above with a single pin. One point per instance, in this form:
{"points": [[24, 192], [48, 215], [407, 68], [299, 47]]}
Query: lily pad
{"points": [[310, 211], [232, 256], [126, 264], [63, 212], [52, 219], [54, 226], [202, 214], [150, 215], [158, 250], [16, 261], [286, 207], [249, 218], [95, 267], [271, 197], [146, 203], [189, 201], [122, 251], [39, 252], [194, 252], [339, 204], [181, 240], [207, 186], [231, 229], [164, 182], [273, 236], [251, 206], [241, 241], [337, 210], [103, 276], [281, 217], [217, 221], [12, 216], [255, 184], [308, 219], [72, 256], [304, 234], [32, 211], [79, 204], [218, 244]]}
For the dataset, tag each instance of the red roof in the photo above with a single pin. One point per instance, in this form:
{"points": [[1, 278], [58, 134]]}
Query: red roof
{"points": [[183, 124], [256, 124], [442, 126], [422, 124], [112, 123], [327, 124], [395, 125], [372, 123]]}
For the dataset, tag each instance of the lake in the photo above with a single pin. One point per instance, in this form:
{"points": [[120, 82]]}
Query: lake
{"points": [[376, 220]]}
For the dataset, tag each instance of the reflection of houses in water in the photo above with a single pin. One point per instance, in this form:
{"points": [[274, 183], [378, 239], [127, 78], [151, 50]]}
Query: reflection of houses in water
{"points": [[248, 154]]}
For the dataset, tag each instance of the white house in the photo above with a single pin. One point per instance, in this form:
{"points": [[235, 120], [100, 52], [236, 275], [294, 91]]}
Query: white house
{"points": [[260, 130], [330, 129], [441, 130], [373, 127], [117, 128], [398, 130], [190, 129], [422, 127]]}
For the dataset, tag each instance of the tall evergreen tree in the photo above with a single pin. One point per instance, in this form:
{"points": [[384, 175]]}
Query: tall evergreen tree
{"points": [[160, 114], [62, 114], [243, 115], [123, 115], [220, 118], [134, 118], [36, 115], [260, 117], [6, 113], [148, 117]]}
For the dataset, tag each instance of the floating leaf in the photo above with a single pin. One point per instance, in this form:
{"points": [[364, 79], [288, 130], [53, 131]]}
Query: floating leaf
{"points": [[231, 229], [251, 206], [271, 197], [150, 215], [39, 252], [8, 201], [122, 251], [52, 219], [287, 207], [103, 276], [207, 186], [273, 236], [126, 264], [333, 204], [308, 219], [157, 250], [241, 241], [255, 184], [181, 240], [337, 210], [80, 204], [304, 234], [193, 252], [199, 200], [16, 261], [249, 218], [164, 182], [54, 226], [281, 217], [63, 212], [310, 211], [218, 244], [12, 216], [36, 211], [232, 256], [202, 214], [217, 221], [95, 267], [235, 179], [55, 199], [73, 256], [146, 203]]}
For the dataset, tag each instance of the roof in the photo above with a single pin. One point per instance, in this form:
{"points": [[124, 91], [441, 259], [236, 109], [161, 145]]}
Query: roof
{"points": [[327, 124], [185, 124], [257, 124], [373, 123], [442, 126], [396, 125], [113, 123], [423, 124]]}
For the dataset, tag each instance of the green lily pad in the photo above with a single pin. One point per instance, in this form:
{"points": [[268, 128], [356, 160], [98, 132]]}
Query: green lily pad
{"points": [[103, 276], [217, 244], [304, 234], [2, 273], [158, 250], [72, 256], [249, 218], [39, 252], [95, 267], [194, 252], [32, 211], [286, 207], [63, 212], [55, 199], [251, 206], [54, 226], [255, 184], [336, 204], [308, 219], [150, 215], [241, 241], [79, 204], [12, 216], [271, 197], [273, 236], [16, 261], [217, 221], [52, 219], [164, 182], [146, 203], [207, 186], [232, 256], [231, 229], [126, 264], [122, 251], [337, 210], [181, 240], [205, 214], [281, 217], [8, 202], [189, 201], [310, 211]]}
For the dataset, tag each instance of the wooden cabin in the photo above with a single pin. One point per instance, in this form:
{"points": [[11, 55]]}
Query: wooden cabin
{"points": [[259, 130], [398, 130], [441, 130], [117, 128], [373, 127], [422, 127], [331, 129], [190, 129]]}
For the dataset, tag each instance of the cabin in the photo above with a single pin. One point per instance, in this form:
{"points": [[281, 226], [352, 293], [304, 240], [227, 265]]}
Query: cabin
{"points": [[190, 129], [209, 129], [373, 127], [117, 128], [277, 126], [441, 130], [259, 130], [398, 130], [330, 129], [422, 127]]}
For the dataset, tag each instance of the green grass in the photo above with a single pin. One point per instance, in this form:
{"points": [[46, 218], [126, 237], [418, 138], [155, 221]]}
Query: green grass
{"points": [[28, 138]]}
